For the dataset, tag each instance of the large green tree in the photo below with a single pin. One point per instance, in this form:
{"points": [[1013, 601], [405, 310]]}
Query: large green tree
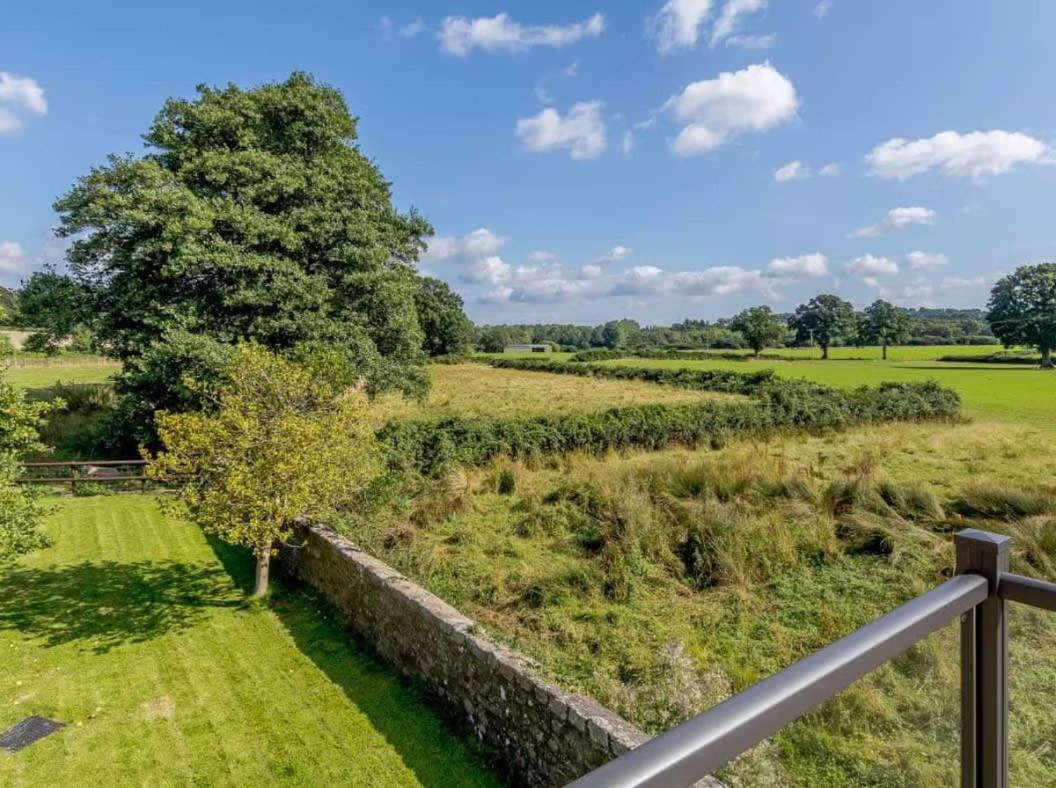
{"points": [[446, 329], [252, 216], [824, 319], [885, 324], [55, 304], [760, 327], [1023, 309]]}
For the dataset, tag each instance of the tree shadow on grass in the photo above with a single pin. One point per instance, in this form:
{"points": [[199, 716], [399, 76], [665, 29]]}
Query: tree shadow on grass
{"points": [[105, 604], [439, 755]]}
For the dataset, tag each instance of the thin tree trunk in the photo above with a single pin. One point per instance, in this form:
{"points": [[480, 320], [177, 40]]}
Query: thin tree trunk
{"points": [[1046, 358], [824, 351], [263, 567], [885, 351]]}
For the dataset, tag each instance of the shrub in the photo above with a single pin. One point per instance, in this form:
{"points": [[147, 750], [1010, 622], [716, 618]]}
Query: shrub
{"points": [[507, 484]]}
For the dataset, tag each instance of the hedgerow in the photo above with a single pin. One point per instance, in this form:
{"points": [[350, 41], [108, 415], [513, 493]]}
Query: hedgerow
{"points": [[429, 446]]}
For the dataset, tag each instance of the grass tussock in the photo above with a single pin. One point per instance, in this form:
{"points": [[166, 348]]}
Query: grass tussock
{"points": [[660, 582]]}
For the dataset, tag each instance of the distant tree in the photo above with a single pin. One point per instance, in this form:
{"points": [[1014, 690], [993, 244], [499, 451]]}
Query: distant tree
{"points": [[21, 508], [281, 440], [760, 328], [447, 330], [617, 333], [1023, 309], [886, 324], [254, 216], [54, 304], [824, 319]]}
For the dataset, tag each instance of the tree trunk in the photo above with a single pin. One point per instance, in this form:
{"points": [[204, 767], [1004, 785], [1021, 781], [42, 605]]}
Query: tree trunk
{"points": [[260, 587], [824, 351], [1046, 358], [885, 351]]}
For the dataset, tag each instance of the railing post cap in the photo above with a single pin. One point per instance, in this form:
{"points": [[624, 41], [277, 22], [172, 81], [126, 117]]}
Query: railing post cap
{"points": [[984, 541]]}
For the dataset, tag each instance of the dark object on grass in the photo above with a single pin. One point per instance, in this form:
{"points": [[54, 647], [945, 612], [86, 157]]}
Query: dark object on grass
{"points": [[30, 730]]}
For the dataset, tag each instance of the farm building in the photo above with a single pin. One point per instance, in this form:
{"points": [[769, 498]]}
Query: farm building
{"points": [[526, 349]]}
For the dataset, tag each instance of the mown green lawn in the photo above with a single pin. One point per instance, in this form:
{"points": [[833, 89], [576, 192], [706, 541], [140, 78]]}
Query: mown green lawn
{"points": [[994, 391], [37, 377], [131, 630]]}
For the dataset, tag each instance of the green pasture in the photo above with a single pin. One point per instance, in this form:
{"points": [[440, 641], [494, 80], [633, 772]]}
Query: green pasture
{"points": [[993, 391], [131, 629]]}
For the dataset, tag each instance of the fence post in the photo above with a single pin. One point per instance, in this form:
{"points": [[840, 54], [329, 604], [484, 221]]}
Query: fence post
{"points": [[984, 665]]}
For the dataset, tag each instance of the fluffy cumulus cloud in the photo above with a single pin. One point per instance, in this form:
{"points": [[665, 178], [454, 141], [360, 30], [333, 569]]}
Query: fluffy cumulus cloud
{"points": [[869, 266], [897, 219], [919, 260], [12, 257], [469, 248], [756, 98], [581, 131], [815, 264], [798, 171], [614, 255], [459, 35], [19, 96], [678, 24], [978, 154]]}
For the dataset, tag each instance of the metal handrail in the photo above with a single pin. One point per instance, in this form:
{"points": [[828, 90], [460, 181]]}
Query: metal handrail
{"points": [[703, 744], [977, 595]]}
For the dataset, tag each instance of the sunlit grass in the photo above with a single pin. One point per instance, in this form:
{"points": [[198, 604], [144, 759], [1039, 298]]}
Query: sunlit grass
{"points": [[132, 631]]}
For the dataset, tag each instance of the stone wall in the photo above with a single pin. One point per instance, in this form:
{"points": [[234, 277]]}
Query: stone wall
{"points": [[545, 736]]}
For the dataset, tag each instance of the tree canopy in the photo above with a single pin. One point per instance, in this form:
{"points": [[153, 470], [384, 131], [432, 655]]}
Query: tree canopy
{"points": [[253, 216], [1023, 309], [824, 319], [760, 327], [282, 439], [446, 329], [885, 324]]}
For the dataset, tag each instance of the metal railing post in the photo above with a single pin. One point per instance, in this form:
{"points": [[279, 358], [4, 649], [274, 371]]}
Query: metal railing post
{"points": [[984, 664]]}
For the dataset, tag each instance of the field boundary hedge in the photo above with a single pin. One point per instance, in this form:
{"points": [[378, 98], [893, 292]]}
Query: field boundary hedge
{"points": [[994, 358], [429, 446]]}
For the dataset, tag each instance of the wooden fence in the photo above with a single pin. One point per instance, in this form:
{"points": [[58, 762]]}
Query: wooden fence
{"points": [[124, 474]]}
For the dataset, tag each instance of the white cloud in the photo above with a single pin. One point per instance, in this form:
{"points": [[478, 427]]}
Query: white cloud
{"points": [[963, 283], [627, 144], [542, 256], [822, 8], [500, 295], [730, 17], [678, 23], [871, 266], [19, 95], [12, 257], [798, 171], [896, 219], [756, 98], [792, 171], [471, 247], [413, 28], [459, 35], [917, 260], [614, 255], [815, 264], [591, 271], [918, 291], [581, 130], [977, 155], [492, 269], [752, 43]]}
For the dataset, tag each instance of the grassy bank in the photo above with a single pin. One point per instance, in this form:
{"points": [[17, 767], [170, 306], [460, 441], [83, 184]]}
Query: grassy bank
{"points": [[131, 630], [662, 582]]}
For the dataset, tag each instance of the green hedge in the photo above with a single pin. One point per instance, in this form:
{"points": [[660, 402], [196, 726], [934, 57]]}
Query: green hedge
{"points": [[720, 380], [428, 446], [1025, 359]]}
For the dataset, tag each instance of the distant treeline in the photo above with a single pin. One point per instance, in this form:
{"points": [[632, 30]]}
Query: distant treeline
{"points": [[926, 327]]}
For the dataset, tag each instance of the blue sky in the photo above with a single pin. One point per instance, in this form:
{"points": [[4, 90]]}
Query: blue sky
{"points": [[584, 161]]}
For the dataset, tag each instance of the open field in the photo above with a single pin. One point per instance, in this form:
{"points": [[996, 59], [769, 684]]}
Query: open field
{"points": [[894, 353], [993, 391], [50, 371], [131, 630], [479, 390], [662, 582]]}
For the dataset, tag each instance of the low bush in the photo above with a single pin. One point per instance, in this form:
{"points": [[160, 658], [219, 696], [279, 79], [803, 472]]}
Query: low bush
{"points": [[1003, 357]]}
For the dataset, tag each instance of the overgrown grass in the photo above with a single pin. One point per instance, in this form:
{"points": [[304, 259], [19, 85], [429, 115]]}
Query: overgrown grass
{"points": [[132, 631], [479, 390], [662, 582]]}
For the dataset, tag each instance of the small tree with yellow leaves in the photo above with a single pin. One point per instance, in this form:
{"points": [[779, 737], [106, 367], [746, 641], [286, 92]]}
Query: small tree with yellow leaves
{"points": [[282, 440]]}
